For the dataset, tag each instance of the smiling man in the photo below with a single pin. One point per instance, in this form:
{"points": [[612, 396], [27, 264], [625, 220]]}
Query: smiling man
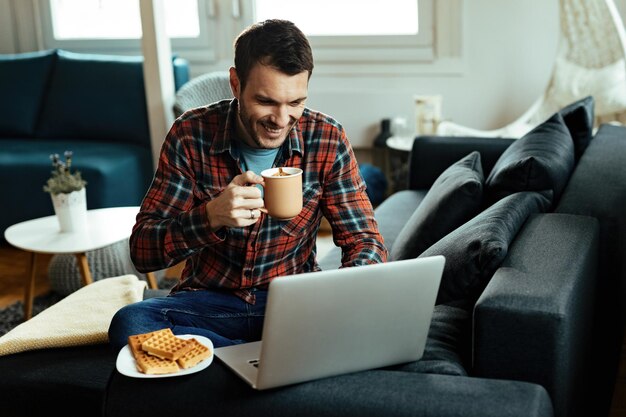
{"points": [[205, 204]]}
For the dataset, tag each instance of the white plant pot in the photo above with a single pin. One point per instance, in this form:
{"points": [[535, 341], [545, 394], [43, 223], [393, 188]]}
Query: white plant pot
{"points": [[71, 210]]}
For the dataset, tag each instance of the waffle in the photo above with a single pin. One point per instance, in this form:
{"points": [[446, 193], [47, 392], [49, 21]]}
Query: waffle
{"points": [[135, 341], [153, 358], [153, 365], [166, 346], [197, 354]]}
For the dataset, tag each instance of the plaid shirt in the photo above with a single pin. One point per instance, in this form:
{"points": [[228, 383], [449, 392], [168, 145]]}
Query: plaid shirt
{"points": [[197, 162]]}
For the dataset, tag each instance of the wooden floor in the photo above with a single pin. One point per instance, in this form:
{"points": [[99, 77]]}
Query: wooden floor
{"points": [[13, 272], [14, 264]]}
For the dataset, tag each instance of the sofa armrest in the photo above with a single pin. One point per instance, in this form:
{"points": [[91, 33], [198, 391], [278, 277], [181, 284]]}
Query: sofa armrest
{"points": [[181, 71], [532, 323], [597, 188], [431, 155]]}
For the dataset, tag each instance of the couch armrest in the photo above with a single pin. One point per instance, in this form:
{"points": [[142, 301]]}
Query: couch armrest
{"points": [[431, 155], [597, 188], [532, 323], [181, 71]]}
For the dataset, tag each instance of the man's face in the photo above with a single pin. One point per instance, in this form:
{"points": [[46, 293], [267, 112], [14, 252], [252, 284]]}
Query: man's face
{"points": [[269, 106]]}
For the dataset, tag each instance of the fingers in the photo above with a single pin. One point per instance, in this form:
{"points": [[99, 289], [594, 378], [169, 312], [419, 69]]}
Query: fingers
{"points": [[239, 204], [247, 178], [222, 212], [244, 192]]}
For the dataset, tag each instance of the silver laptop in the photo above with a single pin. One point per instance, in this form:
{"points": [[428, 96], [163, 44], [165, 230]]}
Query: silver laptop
{"points": [[328, 323]]}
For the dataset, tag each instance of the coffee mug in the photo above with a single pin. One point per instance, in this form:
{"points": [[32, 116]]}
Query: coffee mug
{"points": [[283, 192]]}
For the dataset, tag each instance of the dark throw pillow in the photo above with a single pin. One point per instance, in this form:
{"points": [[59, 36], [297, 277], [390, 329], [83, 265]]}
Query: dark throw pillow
{"points": [[543, 159], [579, 119], [454, 198], [475, 250]]}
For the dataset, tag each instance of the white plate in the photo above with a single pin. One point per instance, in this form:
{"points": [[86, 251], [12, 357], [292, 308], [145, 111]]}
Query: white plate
{"points": [[126, 362]]}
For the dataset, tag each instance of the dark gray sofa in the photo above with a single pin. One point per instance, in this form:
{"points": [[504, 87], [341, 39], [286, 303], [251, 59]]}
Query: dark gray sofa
{"points": [[537, 342]]}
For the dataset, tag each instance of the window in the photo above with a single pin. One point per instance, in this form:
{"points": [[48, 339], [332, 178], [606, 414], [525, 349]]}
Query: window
{"points": [[115, 25], [359, 31], [348, 36], [366, 17], [118, 19]]}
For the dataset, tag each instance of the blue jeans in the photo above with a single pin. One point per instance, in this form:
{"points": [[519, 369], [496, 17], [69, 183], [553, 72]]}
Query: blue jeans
{"points": [[219, 315]]}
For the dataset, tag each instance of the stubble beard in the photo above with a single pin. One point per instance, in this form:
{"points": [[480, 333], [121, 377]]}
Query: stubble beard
{"points": [[248, 126]]}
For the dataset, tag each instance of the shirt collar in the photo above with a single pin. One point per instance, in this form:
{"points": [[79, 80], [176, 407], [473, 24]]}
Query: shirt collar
{"points": [[224, 138]]}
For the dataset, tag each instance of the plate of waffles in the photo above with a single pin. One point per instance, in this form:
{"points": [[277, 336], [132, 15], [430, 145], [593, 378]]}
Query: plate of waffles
{"points": [[161, 354]]}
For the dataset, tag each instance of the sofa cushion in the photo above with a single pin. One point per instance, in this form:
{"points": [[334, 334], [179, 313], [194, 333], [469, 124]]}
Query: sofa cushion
{"points": [[447, 344], [23, 80], [543, 159], [71, 381], [454, 198], [217, 391], [579, 119], [475, 250], [96, 97]]}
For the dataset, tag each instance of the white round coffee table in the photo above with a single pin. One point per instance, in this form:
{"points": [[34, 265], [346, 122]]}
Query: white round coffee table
{"points": [[104, 227]]}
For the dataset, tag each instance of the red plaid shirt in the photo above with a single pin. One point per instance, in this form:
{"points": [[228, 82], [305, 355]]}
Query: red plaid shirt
{"points": [[197, 162]]}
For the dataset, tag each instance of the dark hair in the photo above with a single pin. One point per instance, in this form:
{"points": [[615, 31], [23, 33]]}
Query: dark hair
{"points": [[274, 42]]}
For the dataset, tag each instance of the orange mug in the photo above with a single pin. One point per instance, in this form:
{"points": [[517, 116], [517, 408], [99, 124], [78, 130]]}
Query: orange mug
{"points": [[283, 192]]}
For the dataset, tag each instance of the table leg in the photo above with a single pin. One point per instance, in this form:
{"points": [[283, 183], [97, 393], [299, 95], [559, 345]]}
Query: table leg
{"points": [[83, 267], [152, 281], [29, 287]]}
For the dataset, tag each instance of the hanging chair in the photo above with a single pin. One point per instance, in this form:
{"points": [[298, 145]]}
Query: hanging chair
{"points": [[590, 61]]}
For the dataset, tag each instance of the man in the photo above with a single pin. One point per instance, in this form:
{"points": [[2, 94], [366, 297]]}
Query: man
{"points": [[204, 205]]}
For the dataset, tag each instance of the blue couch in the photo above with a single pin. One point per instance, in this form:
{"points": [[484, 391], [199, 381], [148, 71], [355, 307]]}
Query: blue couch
{"points": [[94, 105]]}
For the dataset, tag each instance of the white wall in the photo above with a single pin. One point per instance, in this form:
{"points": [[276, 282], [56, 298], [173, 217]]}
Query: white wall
{"points": [[508, 49]]}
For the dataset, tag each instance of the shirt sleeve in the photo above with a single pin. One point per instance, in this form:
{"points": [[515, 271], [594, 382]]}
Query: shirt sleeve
{"points": [[172, 222], [349, 211]]}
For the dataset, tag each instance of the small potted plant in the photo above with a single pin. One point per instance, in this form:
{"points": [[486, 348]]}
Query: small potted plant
{"points": [[67, 190]]}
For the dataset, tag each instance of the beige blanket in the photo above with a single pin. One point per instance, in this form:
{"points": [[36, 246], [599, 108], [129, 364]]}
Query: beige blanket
{"points": [[81, 318]]}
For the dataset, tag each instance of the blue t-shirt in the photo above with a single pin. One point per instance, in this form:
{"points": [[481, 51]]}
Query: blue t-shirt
{"points": [[256, 160]]}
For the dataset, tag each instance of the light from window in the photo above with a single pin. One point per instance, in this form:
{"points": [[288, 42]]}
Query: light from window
{"points": [[343, 17], [118, 19]]}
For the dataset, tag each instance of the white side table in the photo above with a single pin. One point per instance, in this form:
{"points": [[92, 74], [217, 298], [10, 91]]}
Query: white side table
{"points": [[401, 143], [104, 227]]}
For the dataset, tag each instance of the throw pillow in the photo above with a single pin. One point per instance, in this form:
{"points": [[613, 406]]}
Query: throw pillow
{"points": [[579, 119], [543, 159], [475, 250], [454, 198]]}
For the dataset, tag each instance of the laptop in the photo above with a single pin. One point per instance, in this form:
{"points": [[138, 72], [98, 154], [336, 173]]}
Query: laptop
{"points": [[328, 323]]}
